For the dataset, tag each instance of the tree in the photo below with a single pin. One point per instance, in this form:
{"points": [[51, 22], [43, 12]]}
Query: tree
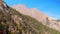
{"points": [[47, 23]]}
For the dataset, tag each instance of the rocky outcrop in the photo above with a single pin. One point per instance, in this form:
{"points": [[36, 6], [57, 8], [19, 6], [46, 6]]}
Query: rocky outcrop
{"points": [[38, 15]]}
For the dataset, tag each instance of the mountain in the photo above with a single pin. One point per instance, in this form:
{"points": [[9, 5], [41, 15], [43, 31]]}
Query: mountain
{"points": [[33, 12], [38, 15], [13, 22]]}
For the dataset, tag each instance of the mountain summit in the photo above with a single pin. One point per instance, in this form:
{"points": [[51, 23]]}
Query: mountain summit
{"points": [[13, 22]]}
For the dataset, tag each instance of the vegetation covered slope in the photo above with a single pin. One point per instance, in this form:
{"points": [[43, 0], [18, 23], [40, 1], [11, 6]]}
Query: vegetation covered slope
{"points": [[26, 24], [35, 25], [15, 23]]}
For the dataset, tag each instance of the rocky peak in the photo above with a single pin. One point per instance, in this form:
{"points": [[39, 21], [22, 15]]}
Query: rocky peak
{"points": [[38, 15]]}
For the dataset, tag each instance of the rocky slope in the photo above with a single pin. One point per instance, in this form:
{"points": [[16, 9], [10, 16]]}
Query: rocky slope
{"points": [[38, 15], [14, 22]]}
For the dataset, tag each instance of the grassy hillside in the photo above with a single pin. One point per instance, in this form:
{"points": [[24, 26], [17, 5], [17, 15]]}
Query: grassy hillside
{"points": [[28, 24], [35, 24]]}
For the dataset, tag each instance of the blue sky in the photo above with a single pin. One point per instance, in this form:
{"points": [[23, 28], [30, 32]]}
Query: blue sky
{"points": [[49, 7]]}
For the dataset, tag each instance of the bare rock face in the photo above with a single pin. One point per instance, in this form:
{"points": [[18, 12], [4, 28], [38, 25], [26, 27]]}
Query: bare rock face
{"points": [[38, 15], [33, 12]]}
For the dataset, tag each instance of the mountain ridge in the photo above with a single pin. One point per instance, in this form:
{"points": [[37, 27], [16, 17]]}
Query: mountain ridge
{"points": [[38, 15], [24, 6], [13, 22]]}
